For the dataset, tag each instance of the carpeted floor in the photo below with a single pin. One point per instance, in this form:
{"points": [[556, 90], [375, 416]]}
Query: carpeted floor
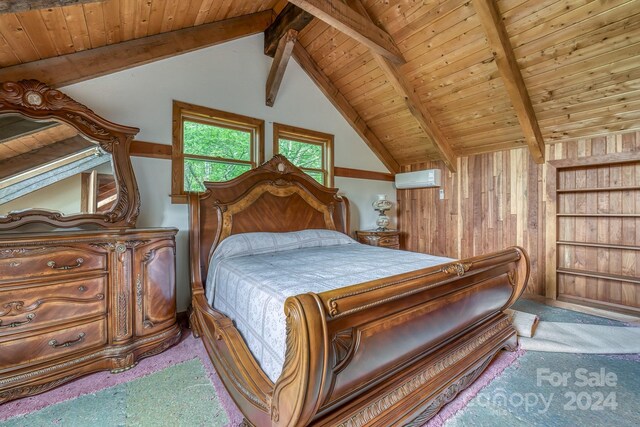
{"points": [[180, 388], [559, 389]]}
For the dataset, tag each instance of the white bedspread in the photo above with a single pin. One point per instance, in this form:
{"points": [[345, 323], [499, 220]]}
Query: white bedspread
{"points": [[251, 275]]}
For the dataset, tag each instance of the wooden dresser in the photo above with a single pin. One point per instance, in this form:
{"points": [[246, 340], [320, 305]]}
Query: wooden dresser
{"points": [[386, 239], [72, 303]]}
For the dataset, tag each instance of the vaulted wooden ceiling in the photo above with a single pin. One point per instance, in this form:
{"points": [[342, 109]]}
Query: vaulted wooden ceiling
{"points": [[484, 74]]}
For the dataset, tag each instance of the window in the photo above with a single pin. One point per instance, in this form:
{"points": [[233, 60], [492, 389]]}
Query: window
{"points": [[309, 150], [212, 145]]}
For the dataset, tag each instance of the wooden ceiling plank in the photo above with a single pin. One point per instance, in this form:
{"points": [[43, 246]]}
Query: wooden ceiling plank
{"points": [[342, 105], [193, 12], [609, 37], [7, 55], [127, 19], [156, 16], [348, 21], [17, 6], [279, 65], [512, 77], [455, 12], [291, 18], [77, 26], [224, 8], [205, 8], [588, 71], [142, 18], [622, 13], [180, 18], [94, 17], [12, 31], [67, 69], [111, 14], [34, 26], [422, 115]]}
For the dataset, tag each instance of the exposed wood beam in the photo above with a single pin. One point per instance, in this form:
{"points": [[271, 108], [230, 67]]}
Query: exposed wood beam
{"points": [[362, 174], [279, 65], [498, 38], [406, 90], [340, 16], [342, 105], [152, 150], [40, 156], [291, 18], [63, 70], [16, 6]]}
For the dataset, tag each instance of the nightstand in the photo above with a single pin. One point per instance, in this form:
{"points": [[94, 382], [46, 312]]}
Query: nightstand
{"points": [[385, 239]]}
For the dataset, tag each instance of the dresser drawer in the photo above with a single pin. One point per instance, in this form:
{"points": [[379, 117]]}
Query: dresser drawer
{"points": [[51, 345], [37, 262], [40, 306]]}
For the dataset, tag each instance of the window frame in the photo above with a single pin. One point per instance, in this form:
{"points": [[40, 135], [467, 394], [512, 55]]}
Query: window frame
{"points": [[213, 117], [308, 136]]}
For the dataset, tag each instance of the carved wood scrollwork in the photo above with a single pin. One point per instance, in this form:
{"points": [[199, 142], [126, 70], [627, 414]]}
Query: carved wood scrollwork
{"points": [[458, 268], [385, 402], [343, 344], [35, 100]]}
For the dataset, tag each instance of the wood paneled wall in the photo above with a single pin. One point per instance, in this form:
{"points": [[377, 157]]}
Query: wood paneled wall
{"points": [[495, 200]]}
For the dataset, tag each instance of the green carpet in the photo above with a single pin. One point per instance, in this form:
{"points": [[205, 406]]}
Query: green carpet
{"points": [[181, 395], [531, 391]]}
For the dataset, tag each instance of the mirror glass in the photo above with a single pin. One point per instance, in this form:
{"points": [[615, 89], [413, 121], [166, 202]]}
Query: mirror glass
{"points": [[49, 165]]}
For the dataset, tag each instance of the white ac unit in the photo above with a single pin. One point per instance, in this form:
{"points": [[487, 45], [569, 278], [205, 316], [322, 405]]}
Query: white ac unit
{"points": [[419, 179]]}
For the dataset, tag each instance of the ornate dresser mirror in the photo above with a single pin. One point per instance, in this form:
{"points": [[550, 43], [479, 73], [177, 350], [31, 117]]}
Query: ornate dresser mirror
{"points": [[60, 163]]}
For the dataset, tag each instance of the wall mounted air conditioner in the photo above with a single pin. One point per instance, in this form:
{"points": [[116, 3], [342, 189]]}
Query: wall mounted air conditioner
{"points": [[419, 179]]}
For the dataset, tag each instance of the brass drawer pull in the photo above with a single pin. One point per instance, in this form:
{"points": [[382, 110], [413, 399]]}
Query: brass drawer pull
{"points": [[29, 318], [52, 264], [54, 343]]}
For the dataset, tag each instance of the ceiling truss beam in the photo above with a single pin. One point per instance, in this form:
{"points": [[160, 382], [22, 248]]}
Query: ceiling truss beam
{"points": [[498, 38], [343, 18], [279, 65], [342, 105], [75, 67], [290, 18], [406, 90]]}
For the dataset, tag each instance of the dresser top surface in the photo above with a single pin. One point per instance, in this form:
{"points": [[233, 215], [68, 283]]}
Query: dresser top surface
{"points": [[83, 234]]}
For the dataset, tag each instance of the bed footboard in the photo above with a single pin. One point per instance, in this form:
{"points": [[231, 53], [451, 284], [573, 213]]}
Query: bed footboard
{"points": [[395, 350]]}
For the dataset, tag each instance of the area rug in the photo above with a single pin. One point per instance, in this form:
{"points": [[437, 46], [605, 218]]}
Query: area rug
{"points": [[178, 388]]}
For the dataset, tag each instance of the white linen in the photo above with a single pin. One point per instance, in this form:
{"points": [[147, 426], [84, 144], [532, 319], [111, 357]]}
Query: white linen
{"points": [[251, 275]]}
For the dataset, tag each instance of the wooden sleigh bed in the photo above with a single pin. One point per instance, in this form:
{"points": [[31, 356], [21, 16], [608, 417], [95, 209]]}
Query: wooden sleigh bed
{"points": [[348, 361]]}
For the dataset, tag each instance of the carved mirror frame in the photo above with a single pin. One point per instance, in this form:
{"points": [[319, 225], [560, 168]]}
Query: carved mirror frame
{"points": [[35, 100]]}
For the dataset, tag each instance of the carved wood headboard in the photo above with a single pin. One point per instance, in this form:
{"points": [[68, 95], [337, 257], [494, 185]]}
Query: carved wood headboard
{"points": [[274, 197]]}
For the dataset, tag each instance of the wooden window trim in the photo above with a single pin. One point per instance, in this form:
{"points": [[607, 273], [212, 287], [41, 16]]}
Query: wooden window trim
{"points": [[310, 137], [211, 116]]}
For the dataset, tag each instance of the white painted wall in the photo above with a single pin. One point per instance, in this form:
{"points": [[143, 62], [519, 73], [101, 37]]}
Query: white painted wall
{"points": [[62, 196], [229, 77]]}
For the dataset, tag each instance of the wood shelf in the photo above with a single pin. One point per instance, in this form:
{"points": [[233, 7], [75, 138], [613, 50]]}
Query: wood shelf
{"points": [[597, 189], [598, 275], [620, 215], [598, 245]]}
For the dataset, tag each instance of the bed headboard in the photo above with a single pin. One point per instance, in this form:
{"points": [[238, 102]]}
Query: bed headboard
{"points": [[275, 197]]}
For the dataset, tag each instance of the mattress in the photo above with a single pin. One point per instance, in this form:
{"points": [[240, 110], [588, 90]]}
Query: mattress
{"points": [[251, 275]]}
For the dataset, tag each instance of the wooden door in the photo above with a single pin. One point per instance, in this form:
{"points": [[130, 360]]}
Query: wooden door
{"points": [[598, 235]]}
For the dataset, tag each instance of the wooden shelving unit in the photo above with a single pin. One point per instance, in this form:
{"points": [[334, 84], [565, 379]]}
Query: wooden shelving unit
{"points": [[596, 189], [598, 245], [590, 241], [590, 215]]}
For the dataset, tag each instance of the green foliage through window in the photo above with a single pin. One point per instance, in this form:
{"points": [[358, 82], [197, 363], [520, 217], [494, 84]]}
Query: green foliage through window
{"points": [[305, 156], [208, 140], [215, 141]]}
